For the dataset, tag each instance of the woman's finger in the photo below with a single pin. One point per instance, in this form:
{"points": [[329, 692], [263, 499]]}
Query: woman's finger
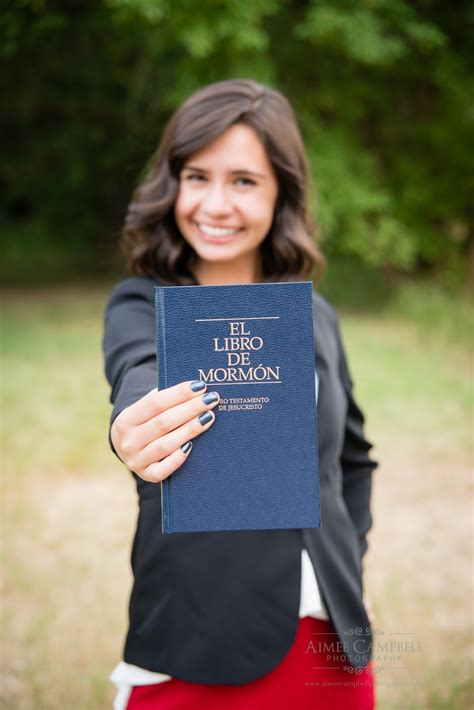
{"points": [[165, 445], [158, 471], [172, 418], [158, 401]]}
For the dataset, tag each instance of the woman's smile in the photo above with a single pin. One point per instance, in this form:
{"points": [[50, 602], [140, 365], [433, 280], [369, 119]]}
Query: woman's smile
{"points": [[217, 234]]}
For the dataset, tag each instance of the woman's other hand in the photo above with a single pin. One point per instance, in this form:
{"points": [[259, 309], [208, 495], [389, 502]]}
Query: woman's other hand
{"points": [[153, 436]]}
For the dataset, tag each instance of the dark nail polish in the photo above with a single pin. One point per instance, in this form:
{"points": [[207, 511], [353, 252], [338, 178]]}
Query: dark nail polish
{"points": [[198, 386], [205, 418], [210, 397], [186, 447]]}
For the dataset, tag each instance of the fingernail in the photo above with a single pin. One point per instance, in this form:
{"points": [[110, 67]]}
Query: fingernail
{"points": [[197, 386], [205, 418], [210, 397], [186, 448]]}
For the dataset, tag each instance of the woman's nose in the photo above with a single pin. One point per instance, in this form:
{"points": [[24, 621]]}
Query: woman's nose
{"points": [[216, 200]]}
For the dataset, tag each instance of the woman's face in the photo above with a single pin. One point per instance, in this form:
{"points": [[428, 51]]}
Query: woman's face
{"points": [[226, 200]]}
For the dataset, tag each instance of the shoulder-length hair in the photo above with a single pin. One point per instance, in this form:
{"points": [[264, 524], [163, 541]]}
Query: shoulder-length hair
{"points": [[151, 239]]}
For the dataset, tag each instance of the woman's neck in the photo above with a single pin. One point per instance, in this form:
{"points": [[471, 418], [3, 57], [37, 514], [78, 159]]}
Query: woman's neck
{"points": [[220, 274]]}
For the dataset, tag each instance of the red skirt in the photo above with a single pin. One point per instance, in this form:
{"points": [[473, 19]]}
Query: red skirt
{"points": [[310, 677]]}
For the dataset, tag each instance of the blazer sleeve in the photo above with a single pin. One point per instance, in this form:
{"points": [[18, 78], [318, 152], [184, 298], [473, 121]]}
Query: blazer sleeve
{"points": [[357, 465], [129, 343]]}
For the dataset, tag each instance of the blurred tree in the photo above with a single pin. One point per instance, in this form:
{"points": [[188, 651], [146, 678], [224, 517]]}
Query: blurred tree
{"points": [[381, 88], [390, 128]]}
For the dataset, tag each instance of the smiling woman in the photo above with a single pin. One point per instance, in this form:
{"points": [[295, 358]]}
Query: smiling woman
{"points": [[226, 200], [225, 619]]}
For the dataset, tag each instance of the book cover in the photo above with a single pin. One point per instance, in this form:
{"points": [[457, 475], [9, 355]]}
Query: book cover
{"points": [[256, 467]]}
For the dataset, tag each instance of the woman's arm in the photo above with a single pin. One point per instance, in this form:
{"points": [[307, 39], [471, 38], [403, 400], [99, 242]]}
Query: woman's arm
{"points": [[357, 465], [151, 430], [129, 344]]}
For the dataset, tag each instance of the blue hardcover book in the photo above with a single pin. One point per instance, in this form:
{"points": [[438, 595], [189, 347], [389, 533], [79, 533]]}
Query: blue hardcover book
{"points": [[256, 468]]}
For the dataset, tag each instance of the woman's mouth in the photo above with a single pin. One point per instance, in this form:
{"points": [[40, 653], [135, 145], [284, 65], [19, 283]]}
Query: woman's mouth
{"points": [[215, 234]]}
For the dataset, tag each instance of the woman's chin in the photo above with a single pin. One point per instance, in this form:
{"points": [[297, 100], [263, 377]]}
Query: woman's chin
{"points": [[219, 253]]}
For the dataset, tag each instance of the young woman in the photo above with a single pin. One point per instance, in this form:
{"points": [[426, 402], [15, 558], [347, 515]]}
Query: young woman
{"points": [[246, 619]]}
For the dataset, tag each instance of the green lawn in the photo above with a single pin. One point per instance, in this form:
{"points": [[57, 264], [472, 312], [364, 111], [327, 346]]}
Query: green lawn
{"points": [[69, 505]]}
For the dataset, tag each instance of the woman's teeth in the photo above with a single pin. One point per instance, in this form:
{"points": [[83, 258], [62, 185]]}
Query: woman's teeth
{"points": [[217, 231]]}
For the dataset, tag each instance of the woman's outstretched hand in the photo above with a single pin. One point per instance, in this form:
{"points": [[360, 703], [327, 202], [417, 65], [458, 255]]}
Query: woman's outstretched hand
{"points": [[153, 436]]}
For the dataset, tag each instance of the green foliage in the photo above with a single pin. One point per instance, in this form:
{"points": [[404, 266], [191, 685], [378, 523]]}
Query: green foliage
{"points": [[439, 314], [351, 284], [377, 33], [354, 205], [381, 89]]}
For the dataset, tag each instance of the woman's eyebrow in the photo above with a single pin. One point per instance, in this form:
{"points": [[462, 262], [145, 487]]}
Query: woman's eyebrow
{"points": [[245, 171], [240, 171]]}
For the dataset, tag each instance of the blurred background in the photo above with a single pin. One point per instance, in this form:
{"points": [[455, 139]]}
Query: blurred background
{"points": [[383, 91]]}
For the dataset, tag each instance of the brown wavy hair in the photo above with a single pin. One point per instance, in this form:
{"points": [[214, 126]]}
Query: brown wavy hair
{"points": [[151, 240]]}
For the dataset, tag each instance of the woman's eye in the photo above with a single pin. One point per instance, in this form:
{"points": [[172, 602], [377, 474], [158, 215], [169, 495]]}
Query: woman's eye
{"points": [[245, 181], [193, 177]]}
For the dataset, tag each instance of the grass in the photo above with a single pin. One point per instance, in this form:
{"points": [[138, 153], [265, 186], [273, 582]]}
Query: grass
{"points": [[69, 507]]}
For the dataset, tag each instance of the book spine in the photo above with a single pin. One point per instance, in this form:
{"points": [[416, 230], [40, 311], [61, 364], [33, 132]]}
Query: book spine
{"points": [[162, 384]]}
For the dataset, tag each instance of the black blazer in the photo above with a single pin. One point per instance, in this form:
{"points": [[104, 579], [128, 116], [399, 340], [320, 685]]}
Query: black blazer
{"points": [[222, 607]]}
